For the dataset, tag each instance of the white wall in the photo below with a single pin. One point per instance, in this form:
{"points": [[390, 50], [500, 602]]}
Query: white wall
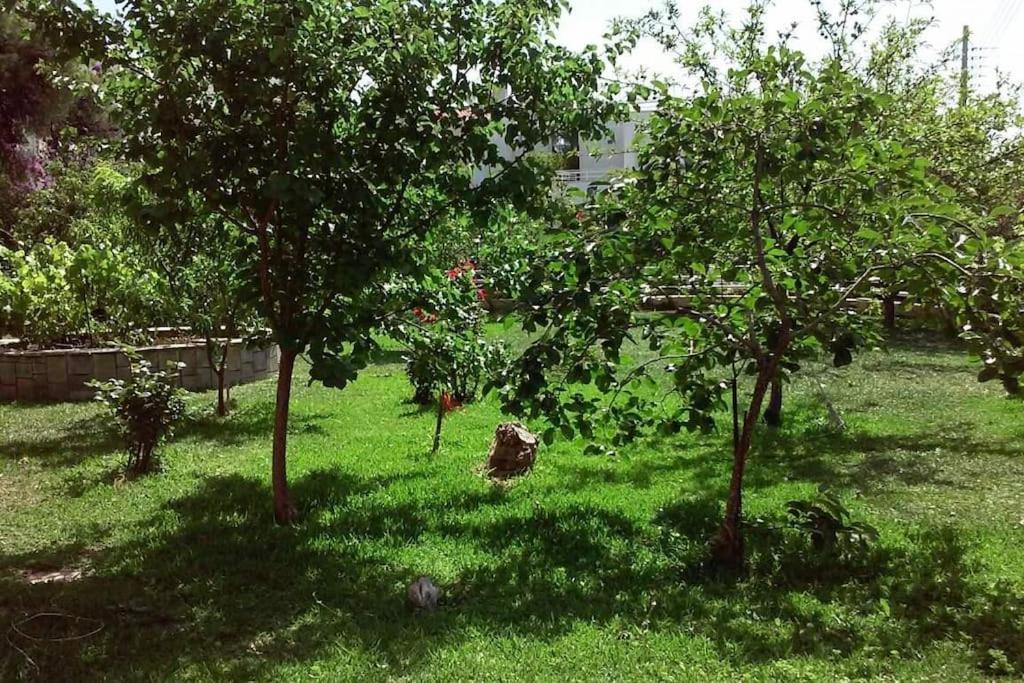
{"points": [[599, 159]]}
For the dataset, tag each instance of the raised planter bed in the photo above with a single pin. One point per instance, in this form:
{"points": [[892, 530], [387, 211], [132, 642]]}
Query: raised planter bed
{"points": [[62, 374]]}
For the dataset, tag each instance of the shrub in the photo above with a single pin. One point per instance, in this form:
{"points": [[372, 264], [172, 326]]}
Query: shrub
{"points": [[500, 252], [446, 352], [55, 293], [827, 522], [145, 407]]}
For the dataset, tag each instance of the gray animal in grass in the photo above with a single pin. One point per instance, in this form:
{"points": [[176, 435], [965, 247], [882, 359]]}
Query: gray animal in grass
{"points": [[423, 594]]}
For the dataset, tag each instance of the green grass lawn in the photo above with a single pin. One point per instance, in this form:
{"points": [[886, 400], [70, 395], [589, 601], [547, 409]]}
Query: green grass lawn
{"points": [[587, 569]]}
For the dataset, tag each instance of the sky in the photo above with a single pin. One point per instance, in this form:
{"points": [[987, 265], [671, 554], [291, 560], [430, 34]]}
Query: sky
{"points": [[997, 26]]}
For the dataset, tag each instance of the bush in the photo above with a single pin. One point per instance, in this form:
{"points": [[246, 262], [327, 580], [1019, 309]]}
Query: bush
{"points": [[446, 351], [500, 251], [73, 266], [55, 293], [827, 522], [145, 407]]}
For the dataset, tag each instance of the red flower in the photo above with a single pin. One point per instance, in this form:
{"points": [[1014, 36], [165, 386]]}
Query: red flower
{"points": [[424, 317], [449, 403], [481, 294], [466, 266]]}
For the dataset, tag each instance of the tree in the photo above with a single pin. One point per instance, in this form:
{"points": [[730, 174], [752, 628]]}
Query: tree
{"points": [[447, 353], [216, 303], [42, 98], [988, 297], [200, 256], [762, 206], [975, 150], [334, 134]]}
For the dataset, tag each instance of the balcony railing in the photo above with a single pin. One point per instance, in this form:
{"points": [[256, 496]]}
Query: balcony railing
{"points": [[570, 177]]}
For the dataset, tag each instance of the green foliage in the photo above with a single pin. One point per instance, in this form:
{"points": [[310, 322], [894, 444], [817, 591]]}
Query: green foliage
{"points": [[334, 135], [145, 407], [762, 205], [785, 190], [49, 102], [201, 257], [987, 294], [975, 150], [446, 349], [75, 270], [81, 203], [55, 293], [501, 249], [334, 140], [828, 524]]}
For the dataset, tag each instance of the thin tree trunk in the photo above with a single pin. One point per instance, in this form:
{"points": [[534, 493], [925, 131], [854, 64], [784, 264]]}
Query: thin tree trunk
{"points": [[728, 548], [222, 387], [773, 413], [437, 426], [889, 308], [219, 369], [222, 403], [735, 410], [284, 511]]}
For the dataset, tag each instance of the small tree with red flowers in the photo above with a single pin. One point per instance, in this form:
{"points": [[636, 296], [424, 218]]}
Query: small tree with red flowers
{"points": [[446, 352]]}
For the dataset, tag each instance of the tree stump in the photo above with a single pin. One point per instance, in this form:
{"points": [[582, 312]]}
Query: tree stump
{"points": [[513, 451]]}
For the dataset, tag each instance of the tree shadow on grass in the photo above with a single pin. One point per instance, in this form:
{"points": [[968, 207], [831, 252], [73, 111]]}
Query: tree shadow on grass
{"points": [[819, 456], [414, 409], [222, 590], [706, 462], [870, 461], [76, 440], [248, 423], [388, 356]]}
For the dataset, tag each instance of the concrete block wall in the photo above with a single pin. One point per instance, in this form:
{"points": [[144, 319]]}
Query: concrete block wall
{"points": [[62, 375]]}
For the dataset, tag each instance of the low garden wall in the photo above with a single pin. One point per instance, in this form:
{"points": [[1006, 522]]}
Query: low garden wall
{"points": [[62, 374]]}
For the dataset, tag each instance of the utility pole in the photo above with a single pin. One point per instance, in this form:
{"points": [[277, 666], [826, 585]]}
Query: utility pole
{"points": [[965, 66]]}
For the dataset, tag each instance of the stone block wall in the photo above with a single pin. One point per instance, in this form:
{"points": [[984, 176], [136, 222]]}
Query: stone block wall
{"points": [[62, 375]]}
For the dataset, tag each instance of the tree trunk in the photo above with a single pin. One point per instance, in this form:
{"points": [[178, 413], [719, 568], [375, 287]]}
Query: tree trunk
{"points": [[222, 404], [773, 413], [223, 389], [146, 464], [889, 308], [140, 462], [440, 422], [220, 369], [727, 548], [284, 511]]}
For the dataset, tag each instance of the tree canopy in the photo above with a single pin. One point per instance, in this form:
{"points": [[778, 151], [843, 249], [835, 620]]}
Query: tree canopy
{"points": [[763, 206], [334, 135]]}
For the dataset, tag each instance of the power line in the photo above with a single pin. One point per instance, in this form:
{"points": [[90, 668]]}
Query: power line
{"points": [[1008, 20], [1001, 20], [994, 21]]}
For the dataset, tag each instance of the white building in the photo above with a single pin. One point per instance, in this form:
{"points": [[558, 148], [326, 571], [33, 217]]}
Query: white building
{"points": [[588, 163], [597, 161]]}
